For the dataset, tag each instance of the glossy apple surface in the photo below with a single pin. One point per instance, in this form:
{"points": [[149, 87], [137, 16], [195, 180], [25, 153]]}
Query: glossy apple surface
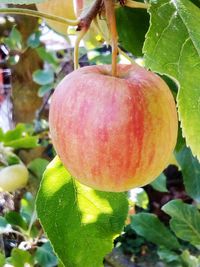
{"points": [[61, 8], [113, 134]]}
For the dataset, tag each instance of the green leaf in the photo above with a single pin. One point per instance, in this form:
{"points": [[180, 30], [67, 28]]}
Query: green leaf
{"points": [[172, 47], [43, 77], [34, 39], [14, 41], [80, 222], [168, 255], [160, 183], [25, 142], [132, 25], [38, 166], [1, 134], [101, 59], [45, 256], [12, 159], [196, 2], [21, 258], [45, 89], [185, 221], [190, 168], [27, 206], [180, 140], [189, 260], [150, 227], [14, 134], [139, 197], [2, 260], [47, 56], [14, 218], [20, 138], [3, 224]]}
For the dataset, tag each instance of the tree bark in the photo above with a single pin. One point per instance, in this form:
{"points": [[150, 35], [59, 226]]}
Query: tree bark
{"points": [[25, 99]]}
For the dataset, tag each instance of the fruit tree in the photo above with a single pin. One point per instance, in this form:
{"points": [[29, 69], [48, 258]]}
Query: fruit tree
{"points": [[116, 130]]}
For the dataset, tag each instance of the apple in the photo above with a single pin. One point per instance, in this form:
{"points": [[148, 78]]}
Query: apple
{"points": [[113, 133], [61, 8], [72, 9], [13, 177]]}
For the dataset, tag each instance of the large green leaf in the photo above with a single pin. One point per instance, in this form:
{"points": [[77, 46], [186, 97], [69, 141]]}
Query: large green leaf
{"points": [[185, 221], [132, 25], [79, 221], [150, 227], [190, 168], [172, 47]]}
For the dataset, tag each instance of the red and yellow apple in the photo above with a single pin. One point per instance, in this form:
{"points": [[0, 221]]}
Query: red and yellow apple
{"points": [[60, 8], [113, 133]]}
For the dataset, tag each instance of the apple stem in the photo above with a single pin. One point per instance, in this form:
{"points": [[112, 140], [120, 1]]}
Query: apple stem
{"points": [[111, 18], [80, 35], [34, 13]]}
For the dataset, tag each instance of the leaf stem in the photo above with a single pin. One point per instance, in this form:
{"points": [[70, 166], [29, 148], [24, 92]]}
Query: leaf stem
{"points": [[110, 15], [80, 35], [34, 13]]}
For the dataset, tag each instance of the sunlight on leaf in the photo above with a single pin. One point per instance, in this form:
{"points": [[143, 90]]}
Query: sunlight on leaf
{"points": [[83, 221]]}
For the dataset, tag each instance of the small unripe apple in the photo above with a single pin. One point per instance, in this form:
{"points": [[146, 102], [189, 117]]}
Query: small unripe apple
{"points": [[60, 8], [13, 177], [113, 133]]}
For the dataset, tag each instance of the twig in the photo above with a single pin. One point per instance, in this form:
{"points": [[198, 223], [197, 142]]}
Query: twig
{"points": [[86, 20], [34, 13], [39, 112], [84, 25]]}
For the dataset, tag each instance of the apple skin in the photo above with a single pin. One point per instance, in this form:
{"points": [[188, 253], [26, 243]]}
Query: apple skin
{"points": [[61, 8], [113, 134], [13, 177]]}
